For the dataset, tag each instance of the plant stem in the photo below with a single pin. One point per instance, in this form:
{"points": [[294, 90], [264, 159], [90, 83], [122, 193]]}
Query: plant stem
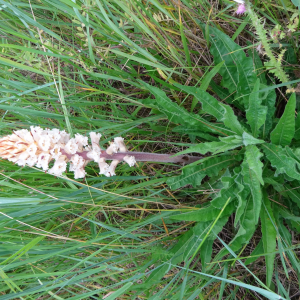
{"points": [[143, 156]]}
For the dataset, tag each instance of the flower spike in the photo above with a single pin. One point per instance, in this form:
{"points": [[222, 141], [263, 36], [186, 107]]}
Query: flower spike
{"points": [[38, 147]]}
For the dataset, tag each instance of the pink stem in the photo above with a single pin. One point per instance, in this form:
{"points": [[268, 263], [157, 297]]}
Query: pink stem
{"points": [[143, 156]]}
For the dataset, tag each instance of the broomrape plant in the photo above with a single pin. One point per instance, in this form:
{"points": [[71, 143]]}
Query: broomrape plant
{"points": [[40, 146]]}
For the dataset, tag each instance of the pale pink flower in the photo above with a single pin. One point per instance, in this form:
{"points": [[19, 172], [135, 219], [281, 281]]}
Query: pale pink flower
{"points": [[130, 160], [71, 146], [113, 148], [119, 141], [111, 170], [59, 167], [103, 166], [79, 173], [241, 9]]}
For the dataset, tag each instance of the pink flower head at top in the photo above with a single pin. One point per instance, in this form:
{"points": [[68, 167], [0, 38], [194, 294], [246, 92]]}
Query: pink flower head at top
{"points": [[241, 8]]}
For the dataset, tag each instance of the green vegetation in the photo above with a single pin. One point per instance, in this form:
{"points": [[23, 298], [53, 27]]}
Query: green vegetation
{"points": [[169, 77]]}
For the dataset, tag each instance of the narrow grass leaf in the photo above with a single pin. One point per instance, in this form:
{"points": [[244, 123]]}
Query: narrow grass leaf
{"points": [[17, 65], [120, 291]]}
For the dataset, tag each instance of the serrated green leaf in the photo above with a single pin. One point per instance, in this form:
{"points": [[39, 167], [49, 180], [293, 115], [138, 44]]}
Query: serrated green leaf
{"points": [[253, 156], [222, 112], [281, 161], [237, 71], [252, 181], [246, 229], [194, 174], [285, 129], [256, 113], [248, 139], [226, 144], [178, 114], [268, 236], [229, 190]]}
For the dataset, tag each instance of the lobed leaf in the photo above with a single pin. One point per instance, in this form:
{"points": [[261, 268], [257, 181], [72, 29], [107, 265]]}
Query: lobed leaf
{"points": [[178, 114], [225, 144], [281, 161], [222, 112], [246, 229], [194, 174]]}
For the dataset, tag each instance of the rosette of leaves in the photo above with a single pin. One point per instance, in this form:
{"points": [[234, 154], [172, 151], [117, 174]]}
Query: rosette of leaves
{"points": [[252, 160]]}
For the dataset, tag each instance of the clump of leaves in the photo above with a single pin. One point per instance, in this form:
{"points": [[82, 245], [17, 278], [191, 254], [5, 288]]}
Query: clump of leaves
{"points": [[253, 160]]}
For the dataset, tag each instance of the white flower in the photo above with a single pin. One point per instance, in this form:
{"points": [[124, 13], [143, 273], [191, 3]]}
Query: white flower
{"points": [[64, 137], [36, 132], [31, 150], [94, 154], [71, 147], [239, 1], [113, 148], [79, 173], [31, 160], [54, 135], [25, 135], [44, 142], [103, 166], [95, 138], [130, 160], [22, 159], [111, 170], [81, 141], [119, 141], [59, 167], [55, 152], [43, 161], [77, 161]]}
